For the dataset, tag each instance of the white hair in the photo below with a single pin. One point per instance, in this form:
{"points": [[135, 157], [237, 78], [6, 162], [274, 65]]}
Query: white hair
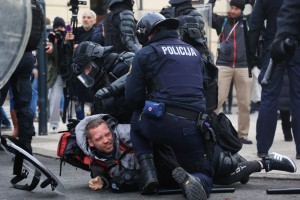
{"points": [[91, 12]]}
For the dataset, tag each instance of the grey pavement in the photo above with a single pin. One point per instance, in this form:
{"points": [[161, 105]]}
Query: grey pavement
{"points": [[46, 145]]}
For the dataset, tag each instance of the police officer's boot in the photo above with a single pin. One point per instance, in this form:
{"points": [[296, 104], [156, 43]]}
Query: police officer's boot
{"points": [[192, 186], [148, 182]]}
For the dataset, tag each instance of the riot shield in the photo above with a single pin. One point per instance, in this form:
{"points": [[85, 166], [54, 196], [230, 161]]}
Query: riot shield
{"points": [[14, 34], [206, 12], [26, 165]]}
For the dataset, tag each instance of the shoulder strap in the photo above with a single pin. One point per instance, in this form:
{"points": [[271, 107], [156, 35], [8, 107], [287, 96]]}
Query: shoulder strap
{"points": [[223, 26]]}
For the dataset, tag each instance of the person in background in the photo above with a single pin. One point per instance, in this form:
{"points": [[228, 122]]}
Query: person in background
{"points": [[232, 63]]}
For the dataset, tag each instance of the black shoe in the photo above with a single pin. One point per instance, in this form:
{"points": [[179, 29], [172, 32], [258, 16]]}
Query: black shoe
{"points": [[262, 155], [192, 186], [298, 156], [244, 180], [245, 141], [288, 139], [276, 161]]}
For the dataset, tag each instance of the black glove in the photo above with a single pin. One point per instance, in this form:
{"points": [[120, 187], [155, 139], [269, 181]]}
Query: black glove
{"points": [[251, 2], [72, 123], [283, 47]]}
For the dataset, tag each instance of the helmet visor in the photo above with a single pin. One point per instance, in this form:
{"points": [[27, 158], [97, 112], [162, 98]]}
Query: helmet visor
{"points": [[88, 74]]}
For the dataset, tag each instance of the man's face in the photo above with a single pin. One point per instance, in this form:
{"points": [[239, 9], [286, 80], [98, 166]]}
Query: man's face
{"points": [[87, 21], [234, 12], [102, 139]]}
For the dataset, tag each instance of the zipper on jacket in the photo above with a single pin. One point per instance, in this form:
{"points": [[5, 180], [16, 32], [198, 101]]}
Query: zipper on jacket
{"points": [[234, 46]]}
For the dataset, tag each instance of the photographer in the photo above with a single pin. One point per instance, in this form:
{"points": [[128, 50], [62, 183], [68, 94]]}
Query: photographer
{"points": [[57, 66], [78, 91]]}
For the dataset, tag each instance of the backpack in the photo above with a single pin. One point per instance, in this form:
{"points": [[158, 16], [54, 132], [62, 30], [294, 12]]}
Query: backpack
{"points": [[226, 135], [69, 152]]}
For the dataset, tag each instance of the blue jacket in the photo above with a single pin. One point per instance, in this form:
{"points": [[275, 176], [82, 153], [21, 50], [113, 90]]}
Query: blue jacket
{"points": [[147, 62], [289, 18], [237, 56]]}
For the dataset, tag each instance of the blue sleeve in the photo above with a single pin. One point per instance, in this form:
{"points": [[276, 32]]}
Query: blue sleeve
{"points": [[135, 88], [256, 25], [289, 18]]}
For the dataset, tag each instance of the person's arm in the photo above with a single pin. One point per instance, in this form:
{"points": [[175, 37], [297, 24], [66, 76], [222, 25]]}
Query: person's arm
{"points": [[99, 179], [127, 28], [288, 20], [217, 20], [135, 87], [256, 26], [288, 29]]}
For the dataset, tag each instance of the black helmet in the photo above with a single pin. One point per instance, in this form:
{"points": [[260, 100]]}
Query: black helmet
{"points": [[149, 21], [112, 2], [83, 64], [178, 1]]}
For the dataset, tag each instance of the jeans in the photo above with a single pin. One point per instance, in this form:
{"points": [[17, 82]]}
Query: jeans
{"points": [[34, 99], [5, 120]]}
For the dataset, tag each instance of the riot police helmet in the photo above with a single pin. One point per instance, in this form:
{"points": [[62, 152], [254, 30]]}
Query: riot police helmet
{"points": [[178, 1], [150, 22], [112, 2], [84, 61]]}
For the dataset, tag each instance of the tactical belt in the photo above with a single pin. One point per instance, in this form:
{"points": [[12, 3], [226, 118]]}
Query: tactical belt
{"points": [[188, 114]]}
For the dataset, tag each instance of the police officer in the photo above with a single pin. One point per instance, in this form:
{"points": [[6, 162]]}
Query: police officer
{"points": [[20, 80], [266, 121], [191, 29], [119, 26], [107, 76], [284, 48], [167, 80]]}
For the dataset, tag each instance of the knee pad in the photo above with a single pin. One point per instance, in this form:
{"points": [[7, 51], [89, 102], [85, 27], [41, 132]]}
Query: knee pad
{"points": [[228, 163]]}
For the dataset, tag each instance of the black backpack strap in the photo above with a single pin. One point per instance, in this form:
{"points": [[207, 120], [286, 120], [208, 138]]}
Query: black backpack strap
{"points": [[117, 161]]}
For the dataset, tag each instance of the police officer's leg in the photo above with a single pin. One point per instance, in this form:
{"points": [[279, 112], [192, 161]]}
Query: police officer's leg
{"points": [[294, 75], [267, 116], [182, 136], [144, 152], [22, 91]]}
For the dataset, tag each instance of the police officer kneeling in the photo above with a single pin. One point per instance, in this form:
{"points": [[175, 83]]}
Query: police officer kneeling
{"points": [[165, 90]]}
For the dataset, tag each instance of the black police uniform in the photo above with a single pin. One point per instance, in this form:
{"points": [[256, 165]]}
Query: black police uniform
{"points": [[267, 120], [119, 28], [22, 92], [175, 69], [191, 29]]}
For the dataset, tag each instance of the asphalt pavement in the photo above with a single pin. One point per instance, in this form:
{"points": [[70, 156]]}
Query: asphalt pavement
{"points": [[75, 180]]}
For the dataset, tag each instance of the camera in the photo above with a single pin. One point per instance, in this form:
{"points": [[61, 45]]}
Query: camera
{"points": [[57, 35], [76, 2]]}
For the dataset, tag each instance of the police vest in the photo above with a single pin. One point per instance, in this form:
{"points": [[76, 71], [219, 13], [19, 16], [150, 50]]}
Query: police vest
{"points": [[179, 72]]}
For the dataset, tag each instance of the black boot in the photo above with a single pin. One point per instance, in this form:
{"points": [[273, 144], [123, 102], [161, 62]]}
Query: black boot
{"points": [[148, 180], [286, 125], [229, 108], [287, 133]]}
